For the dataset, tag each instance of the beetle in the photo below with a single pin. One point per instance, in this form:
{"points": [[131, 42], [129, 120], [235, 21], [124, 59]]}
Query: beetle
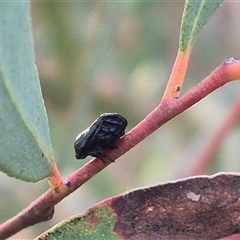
{"points": [[100, 136]]}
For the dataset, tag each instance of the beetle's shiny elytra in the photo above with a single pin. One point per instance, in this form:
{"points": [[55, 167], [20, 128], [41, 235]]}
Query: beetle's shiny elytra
{"points": [[100, 136]]}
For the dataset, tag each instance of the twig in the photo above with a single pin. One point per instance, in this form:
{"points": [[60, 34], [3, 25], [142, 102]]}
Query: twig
{"points": [[176, 79]]}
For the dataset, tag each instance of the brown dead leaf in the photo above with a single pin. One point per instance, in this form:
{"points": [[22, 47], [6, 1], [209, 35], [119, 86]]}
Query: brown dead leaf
{"points": [[200, 207]]}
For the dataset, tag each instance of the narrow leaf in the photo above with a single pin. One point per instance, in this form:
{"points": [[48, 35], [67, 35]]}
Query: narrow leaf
{"points": [[25, 147], [192, 208], [195, 16]]}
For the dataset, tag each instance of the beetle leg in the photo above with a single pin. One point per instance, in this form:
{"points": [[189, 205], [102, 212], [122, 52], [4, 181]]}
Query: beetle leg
{"points": [[112, 147], [101, 157]]}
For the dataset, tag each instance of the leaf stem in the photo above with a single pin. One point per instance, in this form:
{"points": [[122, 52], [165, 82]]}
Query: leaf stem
{"points": [[176, 79], [56, 182]]}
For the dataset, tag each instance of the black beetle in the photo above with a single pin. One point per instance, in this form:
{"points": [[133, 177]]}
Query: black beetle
{"points": [[100, 136]]}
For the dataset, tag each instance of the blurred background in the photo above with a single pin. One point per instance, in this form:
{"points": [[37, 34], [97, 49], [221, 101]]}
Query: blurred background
{"points": [[95, 57]]}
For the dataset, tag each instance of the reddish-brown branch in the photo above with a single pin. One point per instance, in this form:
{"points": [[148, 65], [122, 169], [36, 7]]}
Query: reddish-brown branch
{"points": [[36, 212], [39, 211], [213, 144], [167, 110]]}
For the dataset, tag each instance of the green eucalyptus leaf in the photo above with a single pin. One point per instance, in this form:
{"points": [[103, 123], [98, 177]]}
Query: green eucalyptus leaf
{"points": [[195, 16], [25, 148]]}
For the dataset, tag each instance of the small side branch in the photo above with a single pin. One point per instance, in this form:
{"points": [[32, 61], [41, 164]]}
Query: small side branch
{"points": [[214, 142]]}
